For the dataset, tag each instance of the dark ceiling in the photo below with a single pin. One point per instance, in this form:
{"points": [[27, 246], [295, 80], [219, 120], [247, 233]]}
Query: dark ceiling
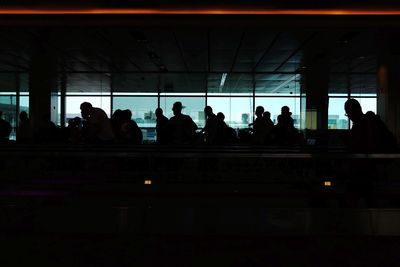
{"points": [[192, 59]]}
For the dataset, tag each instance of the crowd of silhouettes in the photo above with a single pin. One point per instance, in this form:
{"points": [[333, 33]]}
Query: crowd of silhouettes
{"points": [[368, 133]]}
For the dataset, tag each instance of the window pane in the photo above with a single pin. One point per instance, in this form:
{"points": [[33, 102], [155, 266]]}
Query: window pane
{"points": [[336, 114], [8, 106], [367, 104], [194, 107], [73, 104], [24, 104], [87, 83], [142, 109], [237, 110], [274, 105]]}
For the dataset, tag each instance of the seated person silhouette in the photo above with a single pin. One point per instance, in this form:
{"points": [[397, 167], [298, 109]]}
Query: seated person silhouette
{"points": [[181, 129], [5, 129], [368, 133], [161, 127], [284, 132], [97, 128], [225, 134], [24, 130], [129, 133]]}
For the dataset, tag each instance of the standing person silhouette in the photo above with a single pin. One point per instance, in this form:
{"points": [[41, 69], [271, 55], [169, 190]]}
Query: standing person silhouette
{"points": [[260, 127], [367, 135], [161, 127], [210, 129], [181, 128]]}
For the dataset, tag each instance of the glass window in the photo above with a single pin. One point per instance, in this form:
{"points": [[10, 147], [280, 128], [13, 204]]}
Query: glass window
{"points": [[142, 108], [237, 110], [194, 107], [336, 113], [367, 103], [274, 105], [8, 106], [88, 83], [73, 104]]}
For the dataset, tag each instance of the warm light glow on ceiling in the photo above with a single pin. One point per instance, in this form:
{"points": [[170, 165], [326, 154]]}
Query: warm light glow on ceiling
{"points": [[127, 11]]}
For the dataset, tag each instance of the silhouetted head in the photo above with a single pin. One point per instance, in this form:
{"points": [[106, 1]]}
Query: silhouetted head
{"points": [[86, 107], [126, 115], [220, 116], [177, 108], [23, 115], [1, 113], [353, 110], [159, 112], [259, 111], [208, 110], [279, 119], [267, 115], [117, 114], [285, 111]]}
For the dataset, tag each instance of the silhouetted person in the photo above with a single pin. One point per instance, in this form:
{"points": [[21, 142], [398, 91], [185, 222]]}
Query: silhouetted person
{"points": [[286, 116], [210, 129], [225, 134], [284, 132], [260, 127], [5, 129], [129, 132], [267, 118], [161, 127], [368, 133], [75, 130], [116, 121], [270, 126], [97, 128], [181, 128], [24, 130], [46, 131]]}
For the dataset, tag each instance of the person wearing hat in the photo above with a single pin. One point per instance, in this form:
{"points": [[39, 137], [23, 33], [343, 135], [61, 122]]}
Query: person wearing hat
{"points": [[181, 129]]}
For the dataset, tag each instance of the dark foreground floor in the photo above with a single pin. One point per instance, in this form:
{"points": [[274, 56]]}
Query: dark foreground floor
{"points": [[90, 250]]}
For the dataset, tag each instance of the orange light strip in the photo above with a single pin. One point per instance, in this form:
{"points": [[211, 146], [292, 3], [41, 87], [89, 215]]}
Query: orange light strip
{"points": [[197, 12]]}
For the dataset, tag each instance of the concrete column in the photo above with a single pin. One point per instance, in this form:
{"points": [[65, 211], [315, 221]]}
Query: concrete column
{"points": [[388, 80], [42, 81], [315, 82]]}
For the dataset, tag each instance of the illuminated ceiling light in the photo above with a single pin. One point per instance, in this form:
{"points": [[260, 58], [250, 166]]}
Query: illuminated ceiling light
{"points": [[327, 183], [147, 182], [283, 85], [137, 11], [221, 84]]}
